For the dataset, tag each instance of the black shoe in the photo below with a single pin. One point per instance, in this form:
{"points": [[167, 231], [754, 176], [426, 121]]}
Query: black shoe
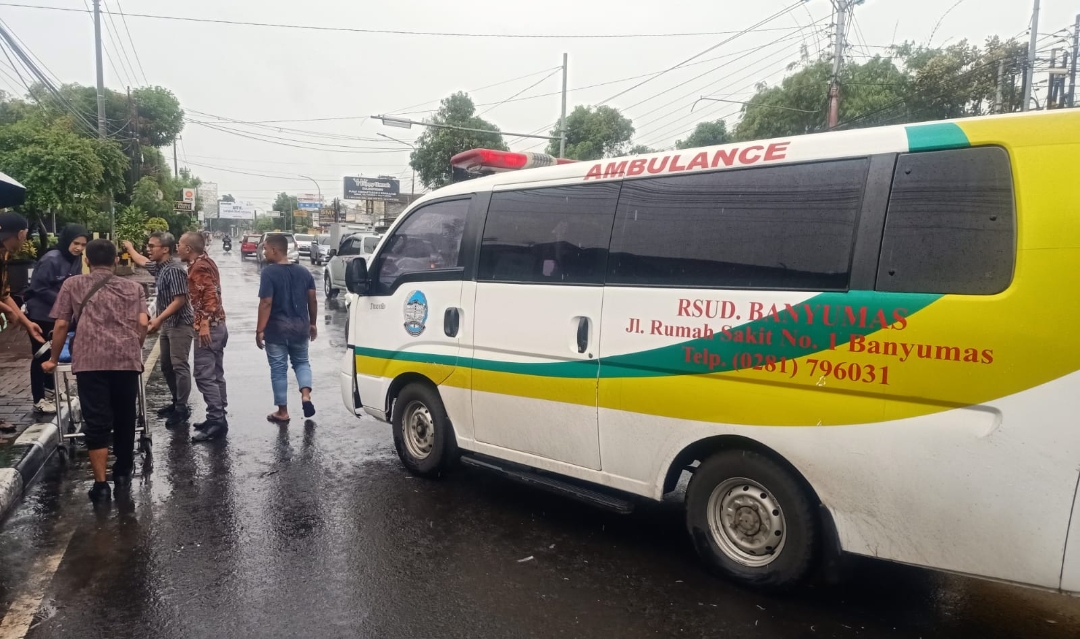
{"points": [[165, 411], [204, 424], [178, 417], [100, 492], [211, 430], [121, 482]]}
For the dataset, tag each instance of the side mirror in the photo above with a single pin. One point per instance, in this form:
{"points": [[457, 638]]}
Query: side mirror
{"points": [[356, 276], [331, 253]]}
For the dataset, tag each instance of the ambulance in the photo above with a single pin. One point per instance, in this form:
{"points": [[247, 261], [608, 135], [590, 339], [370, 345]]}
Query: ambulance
{"points": [[855, 342]]}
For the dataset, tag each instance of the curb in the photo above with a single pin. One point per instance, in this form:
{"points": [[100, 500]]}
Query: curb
{"points": [[38, 443]]}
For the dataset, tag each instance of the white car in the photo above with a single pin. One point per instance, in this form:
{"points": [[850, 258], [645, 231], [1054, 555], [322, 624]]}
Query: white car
{"points": [[303, 243], [320, 250], [352, 246], [294, 255]]}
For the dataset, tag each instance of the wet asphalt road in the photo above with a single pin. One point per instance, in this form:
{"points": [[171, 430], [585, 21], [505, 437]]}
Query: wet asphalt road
{"points": [[316, 531]]}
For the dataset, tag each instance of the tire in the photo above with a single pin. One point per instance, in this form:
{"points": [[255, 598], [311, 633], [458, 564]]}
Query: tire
{"points": [[328, 288], [432, 449], [766, 498]]}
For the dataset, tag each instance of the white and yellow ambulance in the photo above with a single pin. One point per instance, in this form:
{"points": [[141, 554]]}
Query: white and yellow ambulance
{"points": [[861, 341]]}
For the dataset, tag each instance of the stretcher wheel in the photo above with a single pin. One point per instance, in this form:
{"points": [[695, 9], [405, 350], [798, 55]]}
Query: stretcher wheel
{"points": [[145, 445]]}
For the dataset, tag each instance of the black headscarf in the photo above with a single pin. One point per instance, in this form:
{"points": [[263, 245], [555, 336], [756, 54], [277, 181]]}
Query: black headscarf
{"points": [[67, 236]]}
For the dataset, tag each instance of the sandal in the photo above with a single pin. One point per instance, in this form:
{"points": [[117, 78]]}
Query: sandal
{"points": [[309, 409], [277, 420]]}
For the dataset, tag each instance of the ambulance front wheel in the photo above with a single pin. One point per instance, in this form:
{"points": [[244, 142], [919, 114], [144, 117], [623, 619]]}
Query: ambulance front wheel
{"points": [[423, 436], [752, 520]]}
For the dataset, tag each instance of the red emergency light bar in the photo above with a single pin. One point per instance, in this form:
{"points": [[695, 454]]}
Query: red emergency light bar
{"points": [[488, 160]]}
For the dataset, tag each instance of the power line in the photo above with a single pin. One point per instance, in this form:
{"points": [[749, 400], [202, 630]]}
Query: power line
{"points": [[132, 40], [120, 77], [499, 104], [114, 37], [278, 141], [715, 46], [449, 34]]}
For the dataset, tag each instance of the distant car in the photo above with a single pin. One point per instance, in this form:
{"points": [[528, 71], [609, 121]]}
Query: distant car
{"points": [[320, 249], [352, 246], [303, 243], [294, 255], [249, 245]]}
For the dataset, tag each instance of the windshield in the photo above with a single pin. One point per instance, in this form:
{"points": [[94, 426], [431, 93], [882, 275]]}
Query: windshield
{"points": [[300, 237], [324, 239]]}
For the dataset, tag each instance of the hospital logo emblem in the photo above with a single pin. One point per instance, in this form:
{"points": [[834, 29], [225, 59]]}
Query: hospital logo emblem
{"points": [[416, 313]]}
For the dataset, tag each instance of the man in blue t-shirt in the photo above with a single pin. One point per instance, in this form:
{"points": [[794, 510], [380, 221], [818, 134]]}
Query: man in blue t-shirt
{"points": [[288, 312]]}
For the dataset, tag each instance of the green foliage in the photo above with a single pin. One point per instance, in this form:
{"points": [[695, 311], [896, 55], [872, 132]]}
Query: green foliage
{"points": [[640, 149], [59, 168], [435, 147], [285, 203], [911, 84], [228, 198], [160, 117], [706, 134], [267, 224], [592, 134], [131, 225], [156, 225]]}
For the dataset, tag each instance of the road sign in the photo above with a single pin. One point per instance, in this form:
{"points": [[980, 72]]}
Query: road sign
{"points": [[188, 196], [184, 206]]}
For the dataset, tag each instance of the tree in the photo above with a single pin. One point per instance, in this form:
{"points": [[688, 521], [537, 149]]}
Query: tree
{"points": [[434, 148], [227, 198], [160, 117], [285, 203], [640, 149], [706, 134], [592, 134], [60, 169], [266, 224]]}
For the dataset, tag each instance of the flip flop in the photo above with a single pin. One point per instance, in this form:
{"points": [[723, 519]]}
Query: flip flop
{"points": [[309, 409], [277, 420]]}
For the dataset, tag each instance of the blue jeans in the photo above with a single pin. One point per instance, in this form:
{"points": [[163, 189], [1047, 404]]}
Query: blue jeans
{"points": [[279, 355]]}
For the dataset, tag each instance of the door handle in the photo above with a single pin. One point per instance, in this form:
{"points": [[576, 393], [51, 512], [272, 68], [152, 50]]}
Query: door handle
{"points": [[582, 334], [451, 321]]}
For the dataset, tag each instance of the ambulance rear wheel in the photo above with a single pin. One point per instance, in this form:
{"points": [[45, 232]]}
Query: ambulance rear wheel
{"points": [[423, 436], [752, 520]]}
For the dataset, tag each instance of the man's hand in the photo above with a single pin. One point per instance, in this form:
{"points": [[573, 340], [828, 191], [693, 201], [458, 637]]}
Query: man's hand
{"points": [[129, 247], [35, 331], [313, 332], [48, 367], [154, 325], [204, 335], [259, 340]]}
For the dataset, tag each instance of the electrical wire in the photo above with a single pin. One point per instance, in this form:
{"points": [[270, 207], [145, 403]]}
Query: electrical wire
{"points": [[123, 18], [308, 146], [115, 37], [499, 104], [755, 27], [452, 34]]}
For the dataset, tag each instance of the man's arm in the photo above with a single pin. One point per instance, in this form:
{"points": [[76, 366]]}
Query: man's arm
{"points": [[174, 307], [313, 314], [31, 327], [265, 303], [135, 256], [144, 325], [202, 293], [60, 331]]}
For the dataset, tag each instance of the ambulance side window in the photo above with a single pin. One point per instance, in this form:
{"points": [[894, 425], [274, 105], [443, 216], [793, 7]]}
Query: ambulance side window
{"points": [[552, 235], [428, 240], [782, 227], [950, 226]]}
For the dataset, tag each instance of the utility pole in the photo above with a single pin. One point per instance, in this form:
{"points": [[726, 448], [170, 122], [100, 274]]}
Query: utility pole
{"points": [[562, 120], [175, 170], [842, 7], [1072, 68], [102, 132], [136, 142], [1029, 72], [998, 106]]}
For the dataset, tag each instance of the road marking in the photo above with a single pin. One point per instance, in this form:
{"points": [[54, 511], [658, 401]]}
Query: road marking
{"points": [[20, 616]]}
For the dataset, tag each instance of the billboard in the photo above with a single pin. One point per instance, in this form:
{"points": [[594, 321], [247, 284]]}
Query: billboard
{"points": [[380, 188], [235, 211], [209, 194], [188, 195], [308, 201]]}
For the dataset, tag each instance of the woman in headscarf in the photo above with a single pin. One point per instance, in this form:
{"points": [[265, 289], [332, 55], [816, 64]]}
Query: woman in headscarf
{"points": [[52, 269]]}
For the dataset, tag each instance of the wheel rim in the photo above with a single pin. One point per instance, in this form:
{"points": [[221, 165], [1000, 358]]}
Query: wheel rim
{"points": [[326, 286], [418, 430], [747, 522]]}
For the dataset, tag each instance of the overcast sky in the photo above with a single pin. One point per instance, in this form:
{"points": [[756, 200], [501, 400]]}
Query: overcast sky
{"points": [[255, 73]]}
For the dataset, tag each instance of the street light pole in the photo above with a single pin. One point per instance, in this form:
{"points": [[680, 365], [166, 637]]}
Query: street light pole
{"points": [[403, 123], [335, 226], [412, 189]]}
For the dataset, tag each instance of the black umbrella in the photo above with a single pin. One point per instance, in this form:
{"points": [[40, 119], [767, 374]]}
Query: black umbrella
{"points": [[11, 192]]}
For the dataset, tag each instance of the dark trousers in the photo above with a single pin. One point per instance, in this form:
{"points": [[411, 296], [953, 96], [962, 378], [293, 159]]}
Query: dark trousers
{"points": [[108, 406], [39, 381], [210, 372], [175, 345]]}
